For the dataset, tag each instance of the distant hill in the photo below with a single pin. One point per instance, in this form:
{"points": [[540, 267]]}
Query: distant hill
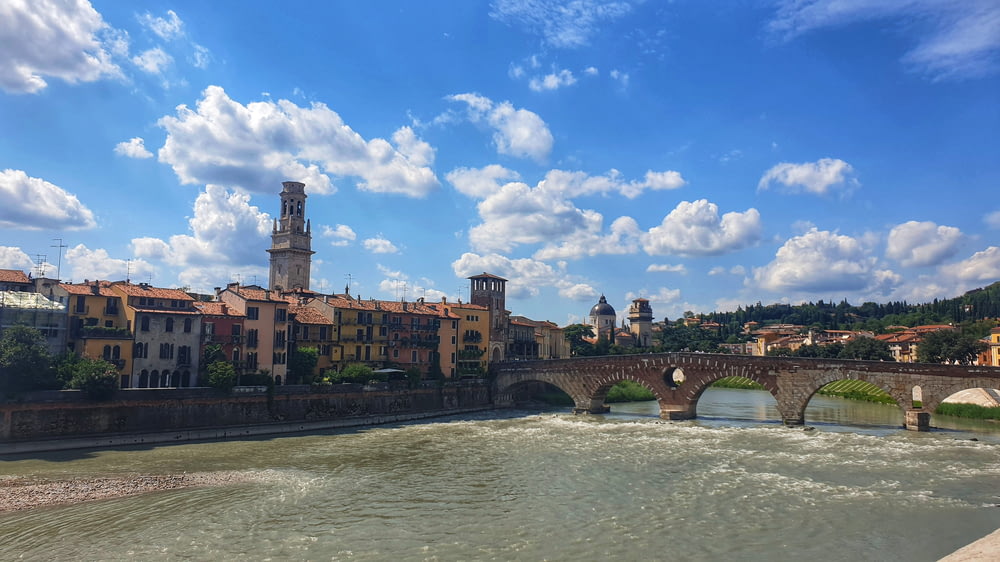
{"points": [[977, 310]]}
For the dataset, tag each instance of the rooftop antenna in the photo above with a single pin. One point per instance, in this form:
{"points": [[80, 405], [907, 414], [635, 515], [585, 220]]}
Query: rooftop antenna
{"points": [[128, 271], [349, 278], [404, 291], [40, 265], [60, 245]]}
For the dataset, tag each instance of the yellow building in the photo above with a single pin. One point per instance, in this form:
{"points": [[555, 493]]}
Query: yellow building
{"points": [[472, 339], [99, 327], [266, 327]]}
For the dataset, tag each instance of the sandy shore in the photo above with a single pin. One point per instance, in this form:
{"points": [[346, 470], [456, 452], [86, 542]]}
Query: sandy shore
{"points": [[986, 549], [24, 493]]}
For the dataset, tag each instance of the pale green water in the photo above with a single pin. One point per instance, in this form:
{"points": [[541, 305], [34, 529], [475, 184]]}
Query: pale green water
{"points": [[553, 486]]}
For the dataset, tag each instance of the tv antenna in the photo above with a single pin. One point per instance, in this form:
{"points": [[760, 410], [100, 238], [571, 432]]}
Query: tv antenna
{"points": [[40, 265], [60, 245]]}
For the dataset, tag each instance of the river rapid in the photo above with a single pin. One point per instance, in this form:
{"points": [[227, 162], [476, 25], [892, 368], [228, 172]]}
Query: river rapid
{"points": [[523, 485]]}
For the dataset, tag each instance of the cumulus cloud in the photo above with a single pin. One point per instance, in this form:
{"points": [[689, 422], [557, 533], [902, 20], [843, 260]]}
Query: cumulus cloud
{"points": [[516, 132], [560, 24], [622, 238], [167, 27], [65, 40], [916, 244], [380, 245], [222, 219], [525, 277], [952, 40], [153, 61], [133, 148], [13, 258], [258, 145], [992, 220], [85, 263], [981, 267], [819, 177], [342, 234], [823, 261], [696, 229], [552, 81], [480, 182], [35, 204], [663, 296], [667, 268]]}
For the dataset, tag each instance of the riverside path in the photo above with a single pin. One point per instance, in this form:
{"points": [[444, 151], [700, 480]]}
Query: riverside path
{"points": [[677, 380]]}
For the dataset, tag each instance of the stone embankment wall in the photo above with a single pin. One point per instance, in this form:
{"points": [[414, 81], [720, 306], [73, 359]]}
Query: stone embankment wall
{"points": [[204, 413]]}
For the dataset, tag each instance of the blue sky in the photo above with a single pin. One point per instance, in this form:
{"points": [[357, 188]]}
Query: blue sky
{"points": [[702, 155]]}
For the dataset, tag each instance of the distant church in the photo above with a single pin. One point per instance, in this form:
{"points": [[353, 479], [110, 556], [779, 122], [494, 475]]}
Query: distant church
{"points": [[291, 241], [637, 333]]}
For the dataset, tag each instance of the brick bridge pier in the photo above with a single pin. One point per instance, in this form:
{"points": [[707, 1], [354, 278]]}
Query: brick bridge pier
{"points": [[678, 380]]}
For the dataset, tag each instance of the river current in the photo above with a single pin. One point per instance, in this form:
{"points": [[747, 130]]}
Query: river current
{"points": [[523, 485]]}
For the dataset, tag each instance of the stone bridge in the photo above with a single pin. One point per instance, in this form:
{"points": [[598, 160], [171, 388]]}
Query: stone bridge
{"points": [[678, 380]]}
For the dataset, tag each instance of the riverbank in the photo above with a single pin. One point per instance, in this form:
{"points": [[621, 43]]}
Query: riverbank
{"points": [[17, 494], [985, 549]]}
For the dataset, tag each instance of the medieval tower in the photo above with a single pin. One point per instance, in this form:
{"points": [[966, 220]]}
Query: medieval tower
{"points": [[291, 241], [491, 291], [640, 319]]}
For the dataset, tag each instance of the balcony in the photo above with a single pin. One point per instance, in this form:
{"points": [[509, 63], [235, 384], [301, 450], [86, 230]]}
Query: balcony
{"points": [[101, 332]]}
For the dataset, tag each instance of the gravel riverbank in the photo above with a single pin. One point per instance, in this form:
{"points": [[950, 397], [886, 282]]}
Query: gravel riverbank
{"points": [[24, 493]]}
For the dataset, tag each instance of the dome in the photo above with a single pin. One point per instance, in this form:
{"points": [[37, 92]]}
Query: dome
{"points": [[602, 308]]}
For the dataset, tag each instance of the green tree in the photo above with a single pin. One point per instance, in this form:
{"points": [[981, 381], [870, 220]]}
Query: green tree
{"points": [[221, 375], [949, 346], [302, 365], [576, 334], [96, 377], [869, 349], [25, 360], [354, 373]]}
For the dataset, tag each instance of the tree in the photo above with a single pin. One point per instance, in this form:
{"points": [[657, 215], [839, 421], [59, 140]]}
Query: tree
{"points": [[576, 334], [96, 377], [356, 373], [24, 360], [869, 349], [949, 346], [302, 365], [222, 375]]}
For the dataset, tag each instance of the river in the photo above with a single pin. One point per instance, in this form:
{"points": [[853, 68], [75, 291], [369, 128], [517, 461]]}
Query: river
{"points": [[523, 485]]}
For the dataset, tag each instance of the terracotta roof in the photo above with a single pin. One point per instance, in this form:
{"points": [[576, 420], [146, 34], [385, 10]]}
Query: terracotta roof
{"points": [[485, 275], [307, 315], [257, 294], [104, 289], [13, 276], [149, 291], [215, 308]]}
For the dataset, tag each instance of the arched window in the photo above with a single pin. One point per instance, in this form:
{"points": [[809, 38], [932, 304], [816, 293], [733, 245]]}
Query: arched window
{"points": [[170, 325], [116, 352], [175, 379], [107, 353], [154, 379], [144, 379]]}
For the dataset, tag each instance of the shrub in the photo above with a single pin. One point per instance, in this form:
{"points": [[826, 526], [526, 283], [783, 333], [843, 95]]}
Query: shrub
{"points": [[222, 375], [96, 377]]}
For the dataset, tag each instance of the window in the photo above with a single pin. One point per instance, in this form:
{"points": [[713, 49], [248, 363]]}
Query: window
{"points": [[395, 354], [144, 324], [236, 354], [187, 325], [383, 331], [184, 355], [322, 333], [279, 338], [253, 313], [141, 350], [81, 305], [305, 332], [237, 329], [116, 352], [107, 353], [251, 338], [280, 315], [169, 326], [166, 351], [413, 356]]}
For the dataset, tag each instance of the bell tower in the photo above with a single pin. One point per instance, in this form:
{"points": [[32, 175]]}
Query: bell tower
{"points": [[291, 241]]}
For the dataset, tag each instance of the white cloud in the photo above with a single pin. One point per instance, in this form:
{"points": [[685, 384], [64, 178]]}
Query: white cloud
{"points": [[201, 57], [952, 40], [133, 148], [257, 146], [380, 245], [480, 182], [982, 267], [620, 77], [342, 234], [58, 39], [663, 295], [169, 27], [525, 277], [85, 263], [152, 61], [992, 220], [916, 244], [35, 204], [822, 261], [591, 71], [667, 268], [622, 239], [695, 229], [813, 177], [516, 132], [552, 81], [222, 220], [13, 258], [560, 24]]}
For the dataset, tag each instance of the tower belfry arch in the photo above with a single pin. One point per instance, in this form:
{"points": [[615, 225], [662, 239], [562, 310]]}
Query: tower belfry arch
{"points": [[291, 241]]}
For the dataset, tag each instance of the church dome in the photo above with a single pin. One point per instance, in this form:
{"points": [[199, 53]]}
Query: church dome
{"points": [[602, 308]]}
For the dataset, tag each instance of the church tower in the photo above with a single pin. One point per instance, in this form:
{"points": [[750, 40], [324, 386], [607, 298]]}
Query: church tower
{"points": [[640, 317], [490, 291], [291, 241]]}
